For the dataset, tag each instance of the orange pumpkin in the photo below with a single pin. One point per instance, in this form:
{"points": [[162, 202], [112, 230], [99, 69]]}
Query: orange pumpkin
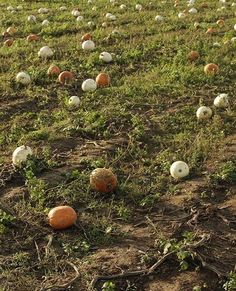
{"points": [[193, 56], [220, 22], [8, 42], [54, 70], [103, 80], [211, 31], [62, 217], [33, 37], [103, 180], [86, 36], [211, 69], [65, 77]]}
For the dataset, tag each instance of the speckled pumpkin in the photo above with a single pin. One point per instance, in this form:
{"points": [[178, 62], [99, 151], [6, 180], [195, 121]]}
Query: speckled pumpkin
{"points": [[103, 180], [103, 80], [62, 217]]}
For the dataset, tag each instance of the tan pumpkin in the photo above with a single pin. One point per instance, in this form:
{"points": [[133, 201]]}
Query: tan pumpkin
{"points": [[54, 70], [211, 69], [193, 56], [86, 36], [5, 34], [103, 80], [204, 5], [65, 77], [33, 37], [9, 42], [103, 180], [220, 22], [62, 217], [11, 30]]}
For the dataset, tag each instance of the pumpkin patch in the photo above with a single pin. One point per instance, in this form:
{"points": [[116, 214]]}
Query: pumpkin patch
{"points": [[117, 145]]}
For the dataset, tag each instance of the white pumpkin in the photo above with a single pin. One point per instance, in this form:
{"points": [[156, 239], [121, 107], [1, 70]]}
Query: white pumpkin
{"points": [[181, 15], [204, 112], [179, 170], [88, 45], [45, 52], [63, 8], [115, 32], [80, 18], [91, 23], [216, 44], [112, 17], [20, 155], [108, 15], [221, 101], [45, 22], [23, 78], [32, 18], [159, 18], [75, 13], [43, 10], [20, 7], [10, 8], [106, 57], [89, 85], [233, 4], [122, 6], [138, 7], [233, 39], [191, 3], [74, 101], [235, 27], [192, 10]]}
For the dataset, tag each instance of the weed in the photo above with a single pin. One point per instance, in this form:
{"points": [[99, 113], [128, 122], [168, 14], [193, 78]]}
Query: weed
{"points": [[225, 174], [230, 285]]}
